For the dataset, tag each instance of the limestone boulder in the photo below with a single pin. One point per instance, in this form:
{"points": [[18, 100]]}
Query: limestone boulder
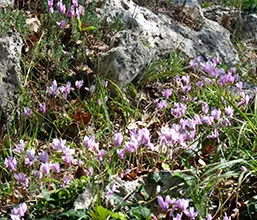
{"points": [[10, 51], [153, 31]]}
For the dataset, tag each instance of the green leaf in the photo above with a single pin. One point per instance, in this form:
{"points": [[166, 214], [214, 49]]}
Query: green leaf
{"points": [[140, 212]]}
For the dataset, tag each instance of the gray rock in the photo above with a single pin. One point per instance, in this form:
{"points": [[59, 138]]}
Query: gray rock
{"points": [[10, 51], [6, 3], [85, 199], [242, 25], [144, 188], [154, 33]]}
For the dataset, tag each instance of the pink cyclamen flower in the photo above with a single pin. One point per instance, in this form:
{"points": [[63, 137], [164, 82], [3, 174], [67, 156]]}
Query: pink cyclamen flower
{"points": [[79, 84], [58, 144], [225, 217], [66, 181], [45, 168], [44, 157], [21, 177], [182, 204], [229, 111], [19, 211], [53, 89], [89, 171], [178, 216], [144, 137], [90, 142], [79, 11], [112, 191], [71, 12], [69, 159], [42, 107], [30, 157], [61, 24], [56, 167], [117, 138], [167, 93], [216, 114], [164, 204], [61, 7], [162, 104], [178, 110], [50, 3], [27, 111], [214, 134], [75, 3], [10, 163], [19, 147], [37, 174], [101, 153], [191, 213]]}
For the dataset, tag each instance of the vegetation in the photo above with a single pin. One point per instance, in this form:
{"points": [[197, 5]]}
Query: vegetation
{"points": [[191, 118]]}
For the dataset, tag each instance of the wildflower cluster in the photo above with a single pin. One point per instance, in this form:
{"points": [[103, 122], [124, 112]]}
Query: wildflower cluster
{"points": [[74, 10]]}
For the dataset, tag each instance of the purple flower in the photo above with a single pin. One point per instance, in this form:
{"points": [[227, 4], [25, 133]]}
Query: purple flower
{"points": [[187, 88], [43, 157], [229, 111], [191, 213], [37, 174], [19, 147], [208, 120], [164, 204], [91, 89], [182, 204], [53, 89], [144, 137], [233, 70], [216, 113], [225, 217], [27, 111], [178, 216], [117, 138], [50, 3], [121, 153], [56, 167], [21, 177], [61, 24], [66, 181], [178, 110], [214, 134], [51, 10], [101, 153], [239, 85], [71, 12], [79, 84], [65, 90], [112, 191], [167, 93], [162, 104], [89, 171], [132, 145], [45, 168], [30, 157], [58, 144], [69, 159], [216, 60], [61, 7], [10, 163], [67, 151], [19, 211], [79, 11], [205, 107], [75, 3], [42, 107], [209, 217], [90, 142], [185, 79]]}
